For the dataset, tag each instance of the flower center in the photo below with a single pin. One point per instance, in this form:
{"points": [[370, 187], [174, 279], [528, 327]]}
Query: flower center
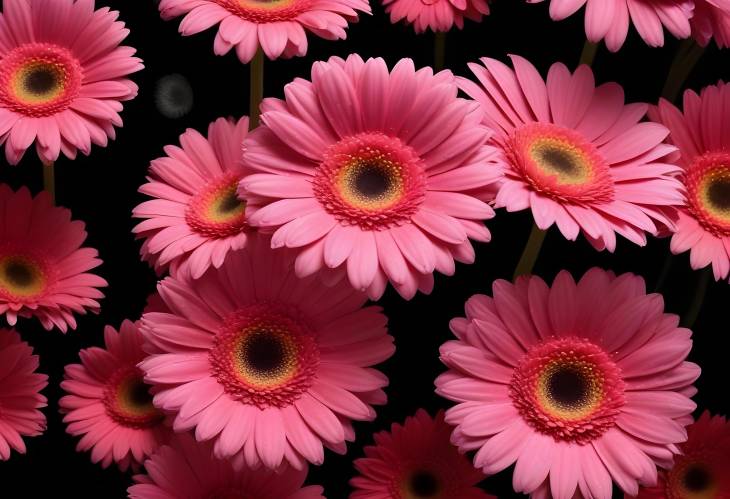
{"points": [[128, 401], [422, 484], [21, 277], [708, 192], [691, 479], [265, 355], [266, 11], [560, 163], [39, 79], [216, 211], [568, 388], [370, 180]]}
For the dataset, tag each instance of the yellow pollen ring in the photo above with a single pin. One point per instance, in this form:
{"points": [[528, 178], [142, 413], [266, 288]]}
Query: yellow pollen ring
{"points": [[716, 184], [390, 174], [21, 276], [127, 398], [284, 369], [561, 159], [225, 206], [264, 4], [587, 373], [21, 85]]}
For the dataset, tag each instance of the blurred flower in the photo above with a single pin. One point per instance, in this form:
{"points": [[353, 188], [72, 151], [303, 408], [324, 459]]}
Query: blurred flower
{"points": [[174, 96], [436, 15]]}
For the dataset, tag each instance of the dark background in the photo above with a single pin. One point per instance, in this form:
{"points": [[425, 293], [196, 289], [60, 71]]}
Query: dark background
{"points": [[102, 190]]}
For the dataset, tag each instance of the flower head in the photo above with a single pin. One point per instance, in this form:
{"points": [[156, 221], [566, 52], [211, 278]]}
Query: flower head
{"points": [[436, 15]]}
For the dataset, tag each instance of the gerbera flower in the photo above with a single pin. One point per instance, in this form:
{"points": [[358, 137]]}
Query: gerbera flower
{"points": [[186, 468], [63, 76], [109, 405], [43, 269], [702, 470], [268, 366], [416, 460], [577, 155], [174, 96], [382, 176], [195, 218], [704, 221], [578, 384], [437, 15], [278, 27], [609, 20], [20, 398], [711, 19]]}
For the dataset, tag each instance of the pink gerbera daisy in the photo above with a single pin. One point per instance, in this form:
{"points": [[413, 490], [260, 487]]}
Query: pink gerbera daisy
{"points": [[711, 20], [609, 20], [577, 155], [109, 405], [381, 176], [278, 27], [188, 469], [195, 218], [437, 15], [579, 384], [702, 470], [43, 269], [20, 398], [63, 76], [269, 366], [704, 222], [416, 460]]}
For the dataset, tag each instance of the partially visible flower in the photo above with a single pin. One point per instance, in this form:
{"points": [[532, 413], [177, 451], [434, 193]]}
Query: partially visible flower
{"points": [[108, 404], [20, 398], [436, 15], [711, 20], [195, 218], [43, 268]]}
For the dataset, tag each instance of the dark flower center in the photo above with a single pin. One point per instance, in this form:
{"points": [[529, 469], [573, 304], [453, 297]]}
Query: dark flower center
{"points": [[371, 181], [19, 274], [697, 479], [567, 387], [138, 394], [424, 484], [264, 353], [41, 80], [557, 160], [229, 203], [718, 193]]}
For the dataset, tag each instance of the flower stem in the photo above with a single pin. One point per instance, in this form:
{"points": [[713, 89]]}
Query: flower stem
{"points": [[256, 88], [531, 252], [439, 51], [49, 179], [589, 53], [703, 280], [685, 60]]}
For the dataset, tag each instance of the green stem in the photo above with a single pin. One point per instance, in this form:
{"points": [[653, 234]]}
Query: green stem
{"points": [[256, 88], [703, 280], [531, 252], [439, 51], [685, 60], [49, 179], [589, 53]]}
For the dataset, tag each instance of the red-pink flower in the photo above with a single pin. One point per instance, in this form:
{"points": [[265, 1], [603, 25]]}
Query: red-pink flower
{"points": [[578, 384], [277, 27], [416, 460], [436, 15], [268, 366], [43, 268], [195, 218], [577, 156], [20, 398], [63, 76], [702, 470], [187, 469], [704, 222], [382, 176], [609, 20], [108, 404], [711, 19]]}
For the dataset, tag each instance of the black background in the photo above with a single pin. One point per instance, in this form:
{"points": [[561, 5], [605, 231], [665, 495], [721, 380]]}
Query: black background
{"points": [[102, 190]]}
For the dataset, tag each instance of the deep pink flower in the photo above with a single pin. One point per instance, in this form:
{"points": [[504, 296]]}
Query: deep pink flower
{"points": [[416, 460], [109, 405], [63, 76], [704, 222], [20, 398], [382, 176], [187, 469], [436, 15], [702, 470], [609, 20], [43, 268], [579, 384], [711, 20], [577, 156], [268, 366], [278, 27], [195, 218]]}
